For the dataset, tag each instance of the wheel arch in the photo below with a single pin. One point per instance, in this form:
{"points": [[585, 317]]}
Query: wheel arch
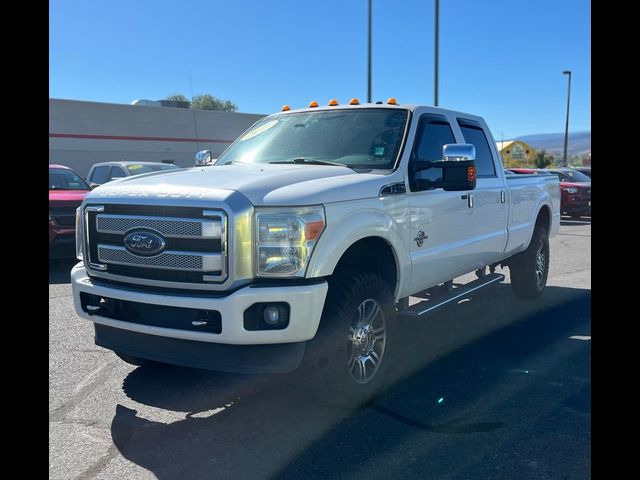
{"points": [[371, 239]]}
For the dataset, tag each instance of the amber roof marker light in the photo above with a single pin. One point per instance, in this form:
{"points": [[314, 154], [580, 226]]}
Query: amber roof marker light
{"points": [[285, 108], [392, 101], [354, 101], [313, 104], [333, 102]]}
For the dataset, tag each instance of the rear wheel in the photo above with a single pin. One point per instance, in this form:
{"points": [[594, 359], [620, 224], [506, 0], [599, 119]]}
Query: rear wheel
{"points": [[530, 269], [350, 350]]}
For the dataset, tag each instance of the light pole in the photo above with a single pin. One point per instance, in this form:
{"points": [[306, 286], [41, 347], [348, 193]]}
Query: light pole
{"points": [[369, 58], [566, 127], [435, 69]]}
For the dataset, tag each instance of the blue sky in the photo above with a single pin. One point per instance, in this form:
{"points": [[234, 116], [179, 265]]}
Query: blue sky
{"points": [[501, 59]]}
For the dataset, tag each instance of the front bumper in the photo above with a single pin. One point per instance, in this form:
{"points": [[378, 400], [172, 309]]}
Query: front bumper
{"points": [[277, 358], [575, 204], [305, 302]]}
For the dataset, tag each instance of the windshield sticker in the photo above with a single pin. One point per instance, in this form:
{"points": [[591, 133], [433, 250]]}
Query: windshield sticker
{"points": [[379, 152], [258, 130], [134, 167]]}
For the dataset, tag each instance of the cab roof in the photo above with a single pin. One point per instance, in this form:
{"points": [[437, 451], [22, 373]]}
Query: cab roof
{"points": [[412, 107]]}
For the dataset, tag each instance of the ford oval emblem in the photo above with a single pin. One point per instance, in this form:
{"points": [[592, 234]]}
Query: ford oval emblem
{"points": [[144, 243]]}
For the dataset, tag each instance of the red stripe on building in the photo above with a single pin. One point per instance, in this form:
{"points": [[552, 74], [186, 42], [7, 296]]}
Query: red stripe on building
{"points": [[144, 139]]}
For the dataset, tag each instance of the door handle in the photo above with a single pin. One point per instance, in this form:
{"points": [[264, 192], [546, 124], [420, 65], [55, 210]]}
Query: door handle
{"points": [[470, 200], [503, 196]]}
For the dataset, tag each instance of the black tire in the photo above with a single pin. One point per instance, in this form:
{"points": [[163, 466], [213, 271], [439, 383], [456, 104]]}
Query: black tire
{"points": [[348, 355], [137, 361], [530, 269]]}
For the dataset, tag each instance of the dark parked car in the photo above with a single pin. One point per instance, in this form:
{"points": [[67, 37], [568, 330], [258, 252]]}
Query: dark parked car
{"points": [[105, 172], [66, 192], [585, 170], [575, 189]]}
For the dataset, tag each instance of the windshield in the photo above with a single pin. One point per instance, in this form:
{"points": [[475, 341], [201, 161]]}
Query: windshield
{"points": [[358, 138], [63, 179], [137, 169], [572, 176]]}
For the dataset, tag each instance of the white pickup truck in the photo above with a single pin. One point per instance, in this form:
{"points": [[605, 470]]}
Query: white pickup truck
{"points": [[305, 239]]}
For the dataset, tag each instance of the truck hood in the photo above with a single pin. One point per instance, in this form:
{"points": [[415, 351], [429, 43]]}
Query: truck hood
{"points": [[261, 184]]}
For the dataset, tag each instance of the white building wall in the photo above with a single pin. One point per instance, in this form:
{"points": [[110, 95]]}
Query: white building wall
{"points": [[83, 133]]}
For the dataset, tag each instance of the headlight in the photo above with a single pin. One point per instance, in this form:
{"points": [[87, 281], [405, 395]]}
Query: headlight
{"points": [[79, 233], [285, 238], [571, 190]]}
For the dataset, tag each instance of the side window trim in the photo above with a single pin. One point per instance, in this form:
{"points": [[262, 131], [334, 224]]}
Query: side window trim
{"points": [[467, 122]]}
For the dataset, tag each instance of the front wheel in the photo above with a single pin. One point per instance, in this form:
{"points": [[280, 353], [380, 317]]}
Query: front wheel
{"points": [[351, 347], [530, 269]]}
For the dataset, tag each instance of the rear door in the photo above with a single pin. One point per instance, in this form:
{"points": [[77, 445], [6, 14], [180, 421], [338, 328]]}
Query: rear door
{"points": [[489, 212]]}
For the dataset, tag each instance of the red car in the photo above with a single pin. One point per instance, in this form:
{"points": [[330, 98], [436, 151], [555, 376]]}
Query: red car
{"points": [[66, 192], [575, 189]]}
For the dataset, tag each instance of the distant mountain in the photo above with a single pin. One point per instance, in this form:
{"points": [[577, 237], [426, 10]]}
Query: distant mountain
{"points": [[579, 142]]}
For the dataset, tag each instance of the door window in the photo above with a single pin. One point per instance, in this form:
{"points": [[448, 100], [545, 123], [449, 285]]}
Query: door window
{"points": [[433, 133], [100, 175], [474, 134]]}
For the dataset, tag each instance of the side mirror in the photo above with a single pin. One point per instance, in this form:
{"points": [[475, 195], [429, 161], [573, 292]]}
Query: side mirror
{"points": [[458, 166], [204, 158], [93, 185]]}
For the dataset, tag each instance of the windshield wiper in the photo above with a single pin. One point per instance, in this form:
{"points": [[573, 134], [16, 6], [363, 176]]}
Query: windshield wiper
{"points": [[234, 161], [310, 161]]}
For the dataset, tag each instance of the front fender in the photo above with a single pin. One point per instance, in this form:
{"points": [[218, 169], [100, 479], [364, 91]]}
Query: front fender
{"points": [[391, 223]]}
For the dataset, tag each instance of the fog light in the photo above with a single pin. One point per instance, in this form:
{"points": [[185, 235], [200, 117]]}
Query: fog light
{"points": [[267, 316], [271, 315]]}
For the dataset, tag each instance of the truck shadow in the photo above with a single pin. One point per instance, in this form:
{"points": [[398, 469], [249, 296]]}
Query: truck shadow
{"points": [[445, 368]]}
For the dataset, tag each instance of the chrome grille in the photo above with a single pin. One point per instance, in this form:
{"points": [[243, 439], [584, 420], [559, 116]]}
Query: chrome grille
{"points": [[196, 240], [171, 227], [179, 260]]}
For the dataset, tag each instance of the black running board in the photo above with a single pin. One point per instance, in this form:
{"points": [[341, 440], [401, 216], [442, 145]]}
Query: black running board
{"points": [[427, 306]]}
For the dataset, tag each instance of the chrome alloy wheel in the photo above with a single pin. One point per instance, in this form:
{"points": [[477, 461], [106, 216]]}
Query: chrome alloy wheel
{"points": [[367, 340], [540, 263]]}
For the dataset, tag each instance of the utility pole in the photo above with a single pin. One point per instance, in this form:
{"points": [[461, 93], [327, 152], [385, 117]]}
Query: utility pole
{"points": [[369, 58], [435, 70], [566, 127]]}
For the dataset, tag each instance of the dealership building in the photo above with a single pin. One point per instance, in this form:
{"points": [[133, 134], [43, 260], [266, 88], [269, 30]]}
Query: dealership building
{"points": [[516, 153], [83, 133]]}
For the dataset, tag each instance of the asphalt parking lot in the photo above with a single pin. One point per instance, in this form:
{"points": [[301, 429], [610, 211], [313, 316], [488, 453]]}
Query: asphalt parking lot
{"points": [[492, 388]]}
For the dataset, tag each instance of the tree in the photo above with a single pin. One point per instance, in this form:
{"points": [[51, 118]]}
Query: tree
{"points": [[542, 160], [177, 97], [209, 102]]}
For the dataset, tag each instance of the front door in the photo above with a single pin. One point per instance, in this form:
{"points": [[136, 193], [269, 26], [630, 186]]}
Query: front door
{"points": [[441, 221]]}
